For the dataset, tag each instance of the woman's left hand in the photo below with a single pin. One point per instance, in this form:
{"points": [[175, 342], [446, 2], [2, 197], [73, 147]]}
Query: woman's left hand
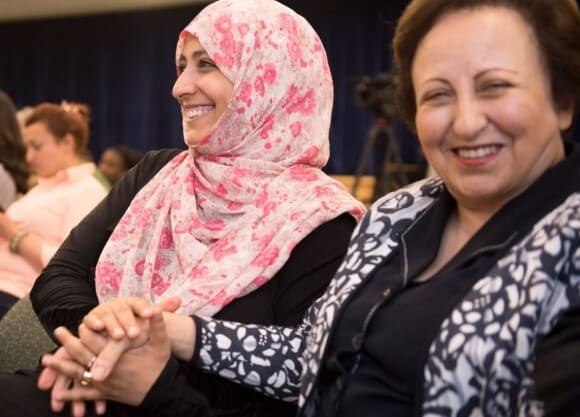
{"points": [[130, 380]]}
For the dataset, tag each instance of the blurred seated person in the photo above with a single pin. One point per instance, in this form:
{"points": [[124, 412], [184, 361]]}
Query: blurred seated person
{"points": [[14, 171], [33, 227], [116, 160]]}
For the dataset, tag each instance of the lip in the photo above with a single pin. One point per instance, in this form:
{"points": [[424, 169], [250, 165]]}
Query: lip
{"points": [[477, 156], [193, 112]]}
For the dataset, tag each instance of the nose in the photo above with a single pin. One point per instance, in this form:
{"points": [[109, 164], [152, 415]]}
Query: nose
{"points": [[469, 118], [29, 155], [185, 84]]}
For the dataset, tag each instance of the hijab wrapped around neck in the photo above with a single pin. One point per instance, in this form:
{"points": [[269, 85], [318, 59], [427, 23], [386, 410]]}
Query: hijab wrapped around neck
{"points": [[220, 220]]}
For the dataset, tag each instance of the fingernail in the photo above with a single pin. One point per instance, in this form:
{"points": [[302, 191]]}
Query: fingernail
{"points": [[118, 332], [98, 372], [133, 331]]}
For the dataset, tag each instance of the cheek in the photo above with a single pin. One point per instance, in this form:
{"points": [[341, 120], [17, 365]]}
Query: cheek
{"points": [[222, 89], [514, 118], [430, 128]]}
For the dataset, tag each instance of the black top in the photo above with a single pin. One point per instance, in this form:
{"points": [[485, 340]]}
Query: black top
{"points": [[64, 293], [366, 370]]}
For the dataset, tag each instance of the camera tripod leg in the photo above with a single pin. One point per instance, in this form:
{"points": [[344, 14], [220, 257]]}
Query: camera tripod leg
{"points": [[363, 160]]}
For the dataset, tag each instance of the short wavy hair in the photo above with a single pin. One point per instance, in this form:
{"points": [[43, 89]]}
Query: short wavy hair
{"points": [[61, 119], [556, 24]]}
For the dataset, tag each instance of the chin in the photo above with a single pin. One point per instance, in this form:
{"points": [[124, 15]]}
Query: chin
{"points": [[192, 139]]}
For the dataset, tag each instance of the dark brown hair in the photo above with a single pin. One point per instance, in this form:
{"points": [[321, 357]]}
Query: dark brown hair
{"points": [[555, 23], [65, 118], [12, 150]]}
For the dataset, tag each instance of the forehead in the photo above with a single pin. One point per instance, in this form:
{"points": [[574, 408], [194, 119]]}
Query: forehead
{"points": [[477, 39], [111, 155], [37, 131], [190, 45]]}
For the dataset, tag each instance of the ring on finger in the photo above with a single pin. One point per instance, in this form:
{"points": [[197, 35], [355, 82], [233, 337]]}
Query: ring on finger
{"points": [[86, 379], [90, 363]]}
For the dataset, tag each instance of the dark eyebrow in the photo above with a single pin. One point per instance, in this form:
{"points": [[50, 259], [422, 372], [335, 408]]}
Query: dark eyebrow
{"points": [[488, 70], [198, 53], [195, 55]]}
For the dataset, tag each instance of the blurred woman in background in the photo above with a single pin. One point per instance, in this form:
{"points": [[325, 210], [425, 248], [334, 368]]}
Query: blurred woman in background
{"points": [[32, 228]]}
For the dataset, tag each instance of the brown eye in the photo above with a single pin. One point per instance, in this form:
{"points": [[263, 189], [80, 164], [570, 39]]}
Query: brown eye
{"points": [[206, 63], [493, 86]]}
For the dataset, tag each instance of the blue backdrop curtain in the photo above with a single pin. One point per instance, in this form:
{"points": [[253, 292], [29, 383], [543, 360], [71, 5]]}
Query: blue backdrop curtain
{"points": [[122, 65]]}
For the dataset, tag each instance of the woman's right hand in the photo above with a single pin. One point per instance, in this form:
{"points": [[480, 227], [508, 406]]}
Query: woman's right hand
{"points": [[118, 318]]}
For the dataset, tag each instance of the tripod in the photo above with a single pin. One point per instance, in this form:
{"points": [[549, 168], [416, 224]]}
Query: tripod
{"points": [[388, 176]]}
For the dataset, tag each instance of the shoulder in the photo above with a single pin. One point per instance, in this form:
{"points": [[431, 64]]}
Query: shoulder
{"points": [[158, 158], [151, 164], [330, 237], [400, 207]]}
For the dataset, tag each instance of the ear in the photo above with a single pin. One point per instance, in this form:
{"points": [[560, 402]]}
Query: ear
{"points": [[566, 116], [68, 141]]}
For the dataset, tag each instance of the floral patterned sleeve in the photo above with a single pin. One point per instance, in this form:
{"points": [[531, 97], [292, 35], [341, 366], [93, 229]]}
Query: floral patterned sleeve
{"points": [[265, 358]]}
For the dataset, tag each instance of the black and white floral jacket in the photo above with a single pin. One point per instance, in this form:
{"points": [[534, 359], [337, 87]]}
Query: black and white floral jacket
{"points": [[482, 358]]}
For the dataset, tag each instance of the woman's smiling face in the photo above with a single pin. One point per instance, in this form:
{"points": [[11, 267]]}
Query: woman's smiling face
{"points": [[485, 117], [202, 91]]}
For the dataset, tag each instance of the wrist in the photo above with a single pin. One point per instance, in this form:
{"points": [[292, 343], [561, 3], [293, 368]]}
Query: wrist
{"points": [[181, 332]]}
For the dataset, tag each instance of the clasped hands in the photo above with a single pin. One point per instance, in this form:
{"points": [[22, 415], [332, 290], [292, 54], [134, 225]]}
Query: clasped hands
{"points": [[122, 347]]}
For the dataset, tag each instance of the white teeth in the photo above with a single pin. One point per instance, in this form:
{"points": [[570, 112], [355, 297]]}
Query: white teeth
{"points": [[193, 112], [473, 153]]}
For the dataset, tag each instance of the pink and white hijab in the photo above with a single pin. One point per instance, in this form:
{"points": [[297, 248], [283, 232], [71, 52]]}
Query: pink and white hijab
{"points": [[217, 223]]}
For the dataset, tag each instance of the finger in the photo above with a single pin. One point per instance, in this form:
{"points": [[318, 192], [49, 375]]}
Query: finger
{"points": [[48, 376], [126, 317], [100, 407], [73, 346], [157, 331], [93, 322], [170, 305], [66, 367], [140, 306], [112, 325], [78, 408], [81, 394], [61, 384], [46, 379], [91, 339], [108, 358]]}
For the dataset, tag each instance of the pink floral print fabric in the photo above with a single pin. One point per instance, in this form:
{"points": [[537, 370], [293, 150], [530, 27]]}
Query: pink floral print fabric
{"points": [[219, 221]]}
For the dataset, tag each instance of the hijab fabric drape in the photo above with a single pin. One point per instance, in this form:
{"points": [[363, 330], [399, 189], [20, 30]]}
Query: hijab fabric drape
{"points": [[220, 220]]}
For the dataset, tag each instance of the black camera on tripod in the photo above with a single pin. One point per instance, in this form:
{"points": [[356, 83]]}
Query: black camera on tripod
{"points": [[376, 94]]}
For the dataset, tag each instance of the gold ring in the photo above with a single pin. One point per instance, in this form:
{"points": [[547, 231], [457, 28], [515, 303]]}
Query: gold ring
{"points": [[90, 363], [86, 379]]}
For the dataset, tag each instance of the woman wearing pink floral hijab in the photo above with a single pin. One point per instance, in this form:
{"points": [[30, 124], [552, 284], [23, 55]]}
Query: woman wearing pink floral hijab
{"points": [[243, 225]]}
